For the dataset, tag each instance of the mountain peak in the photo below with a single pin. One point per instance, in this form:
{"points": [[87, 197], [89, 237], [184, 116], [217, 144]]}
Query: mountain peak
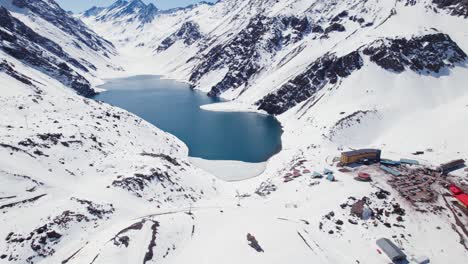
{"points": [[129, 10], [93, 11]]}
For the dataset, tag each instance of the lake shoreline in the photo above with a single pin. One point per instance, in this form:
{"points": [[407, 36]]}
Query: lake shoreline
{"points": [[251, 136], [230, 170], [233, 107]]}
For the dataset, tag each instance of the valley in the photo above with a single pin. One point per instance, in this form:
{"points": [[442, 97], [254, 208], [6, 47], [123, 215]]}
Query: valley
{"points": [[176, 109], [82, 181]]}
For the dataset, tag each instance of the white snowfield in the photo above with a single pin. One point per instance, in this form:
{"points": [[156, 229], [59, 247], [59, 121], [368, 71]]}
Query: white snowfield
{"points": [[83, 182], [230, 170]]}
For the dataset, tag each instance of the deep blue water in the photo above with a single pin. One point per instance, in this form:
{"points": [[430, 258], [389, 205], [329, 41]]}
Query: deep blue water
{"points": [[174, 107]]}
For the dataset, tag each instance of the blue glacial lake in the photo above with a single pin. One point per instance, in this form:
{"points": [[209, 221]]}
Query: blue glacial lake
{"points": [[175, 108]]}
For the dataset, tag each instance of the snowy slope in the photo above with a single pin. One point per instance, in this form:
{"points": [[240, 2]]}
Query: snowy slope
{"points": [[296, 58], [55, 43], [238, 44], [85, 182], [339, 75], [90, 167], [73, 171]]}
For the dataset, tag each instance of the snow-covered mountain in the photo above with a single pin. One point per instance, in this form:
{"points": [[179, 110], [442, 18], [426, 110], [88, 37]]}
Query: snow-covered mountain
{"points": [[338, 75], [124, 11], [45, 37], [85, 182], [73, 171], [293, 57]]}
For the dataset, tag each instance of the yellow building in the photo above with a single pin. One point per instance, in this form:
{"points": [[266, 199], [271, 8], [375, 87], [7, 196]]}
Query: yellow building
{"points": [[354, 156]]}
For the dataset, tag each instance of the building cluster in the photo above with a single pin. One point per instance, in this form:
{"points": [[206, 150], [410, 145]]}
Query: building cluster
{"points": [[412, 180], [415, 186]]}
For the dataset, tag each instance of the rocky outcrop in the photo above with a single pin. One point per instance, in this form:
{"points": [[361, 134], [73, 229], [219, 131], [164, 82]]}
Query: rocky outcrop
{"points": [[130, 11], [93, 11], [188, 33], [22, 43], [428, 54], [42, 241], [245, 54], [425, 54], [143, 184], [328, 69], [10, 70], [454, 7], [51, 12], [335, 27]]}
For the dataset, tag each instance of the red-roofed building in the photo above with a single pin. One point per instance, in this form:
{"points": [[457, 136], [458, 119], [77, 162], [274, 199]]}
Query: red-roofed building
{"points": [[455, 190], [463, 198], [362, 176], [459, 194]]}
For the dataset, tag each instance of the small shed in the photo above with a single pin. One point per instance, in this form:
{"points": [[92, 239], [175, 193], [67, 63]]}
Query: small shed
{"points": [[327, 171], [391, 250], [331, 177], [388, 162], [451, 166], [317, 175], [358, 207], [361, 210], [422, 260], [409, 161], [390, 170]]}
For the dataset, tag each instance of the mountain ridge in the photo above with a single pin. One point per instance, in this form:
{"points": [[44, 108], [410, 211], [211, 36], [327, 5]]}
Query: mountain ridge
{"points": [[82, 181], [123, 9]]}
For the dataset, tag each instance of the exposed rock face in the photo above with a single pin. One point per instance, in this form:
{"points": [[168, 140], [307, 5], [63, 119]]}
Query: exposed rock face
{"points": [[51, 12], [142, 184], [425, 54], [189, 33], [262, 37], [44, 239], [428, 54], [335, 27], [351, 120], [325, 70], [93, 11], [22, 43], [130, 10], [9, 69], [147, 14], [455, 7]]}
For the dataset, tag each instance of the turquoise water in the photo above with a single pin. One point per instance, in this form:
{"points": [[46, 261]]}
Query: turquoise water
{"points": [[174, 107]]}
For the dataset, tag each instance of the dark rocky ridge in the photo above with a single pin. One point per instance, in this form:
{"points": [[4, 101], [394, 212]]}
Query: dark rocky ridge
{"points": [[328, 69], [335, 27], [22, 43], [43, 240], [10, 70], [425, 54], [51, 12], [428, 54], [243, 53], [455, 7], [189, 33], [93, 11], [134, 9]]}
